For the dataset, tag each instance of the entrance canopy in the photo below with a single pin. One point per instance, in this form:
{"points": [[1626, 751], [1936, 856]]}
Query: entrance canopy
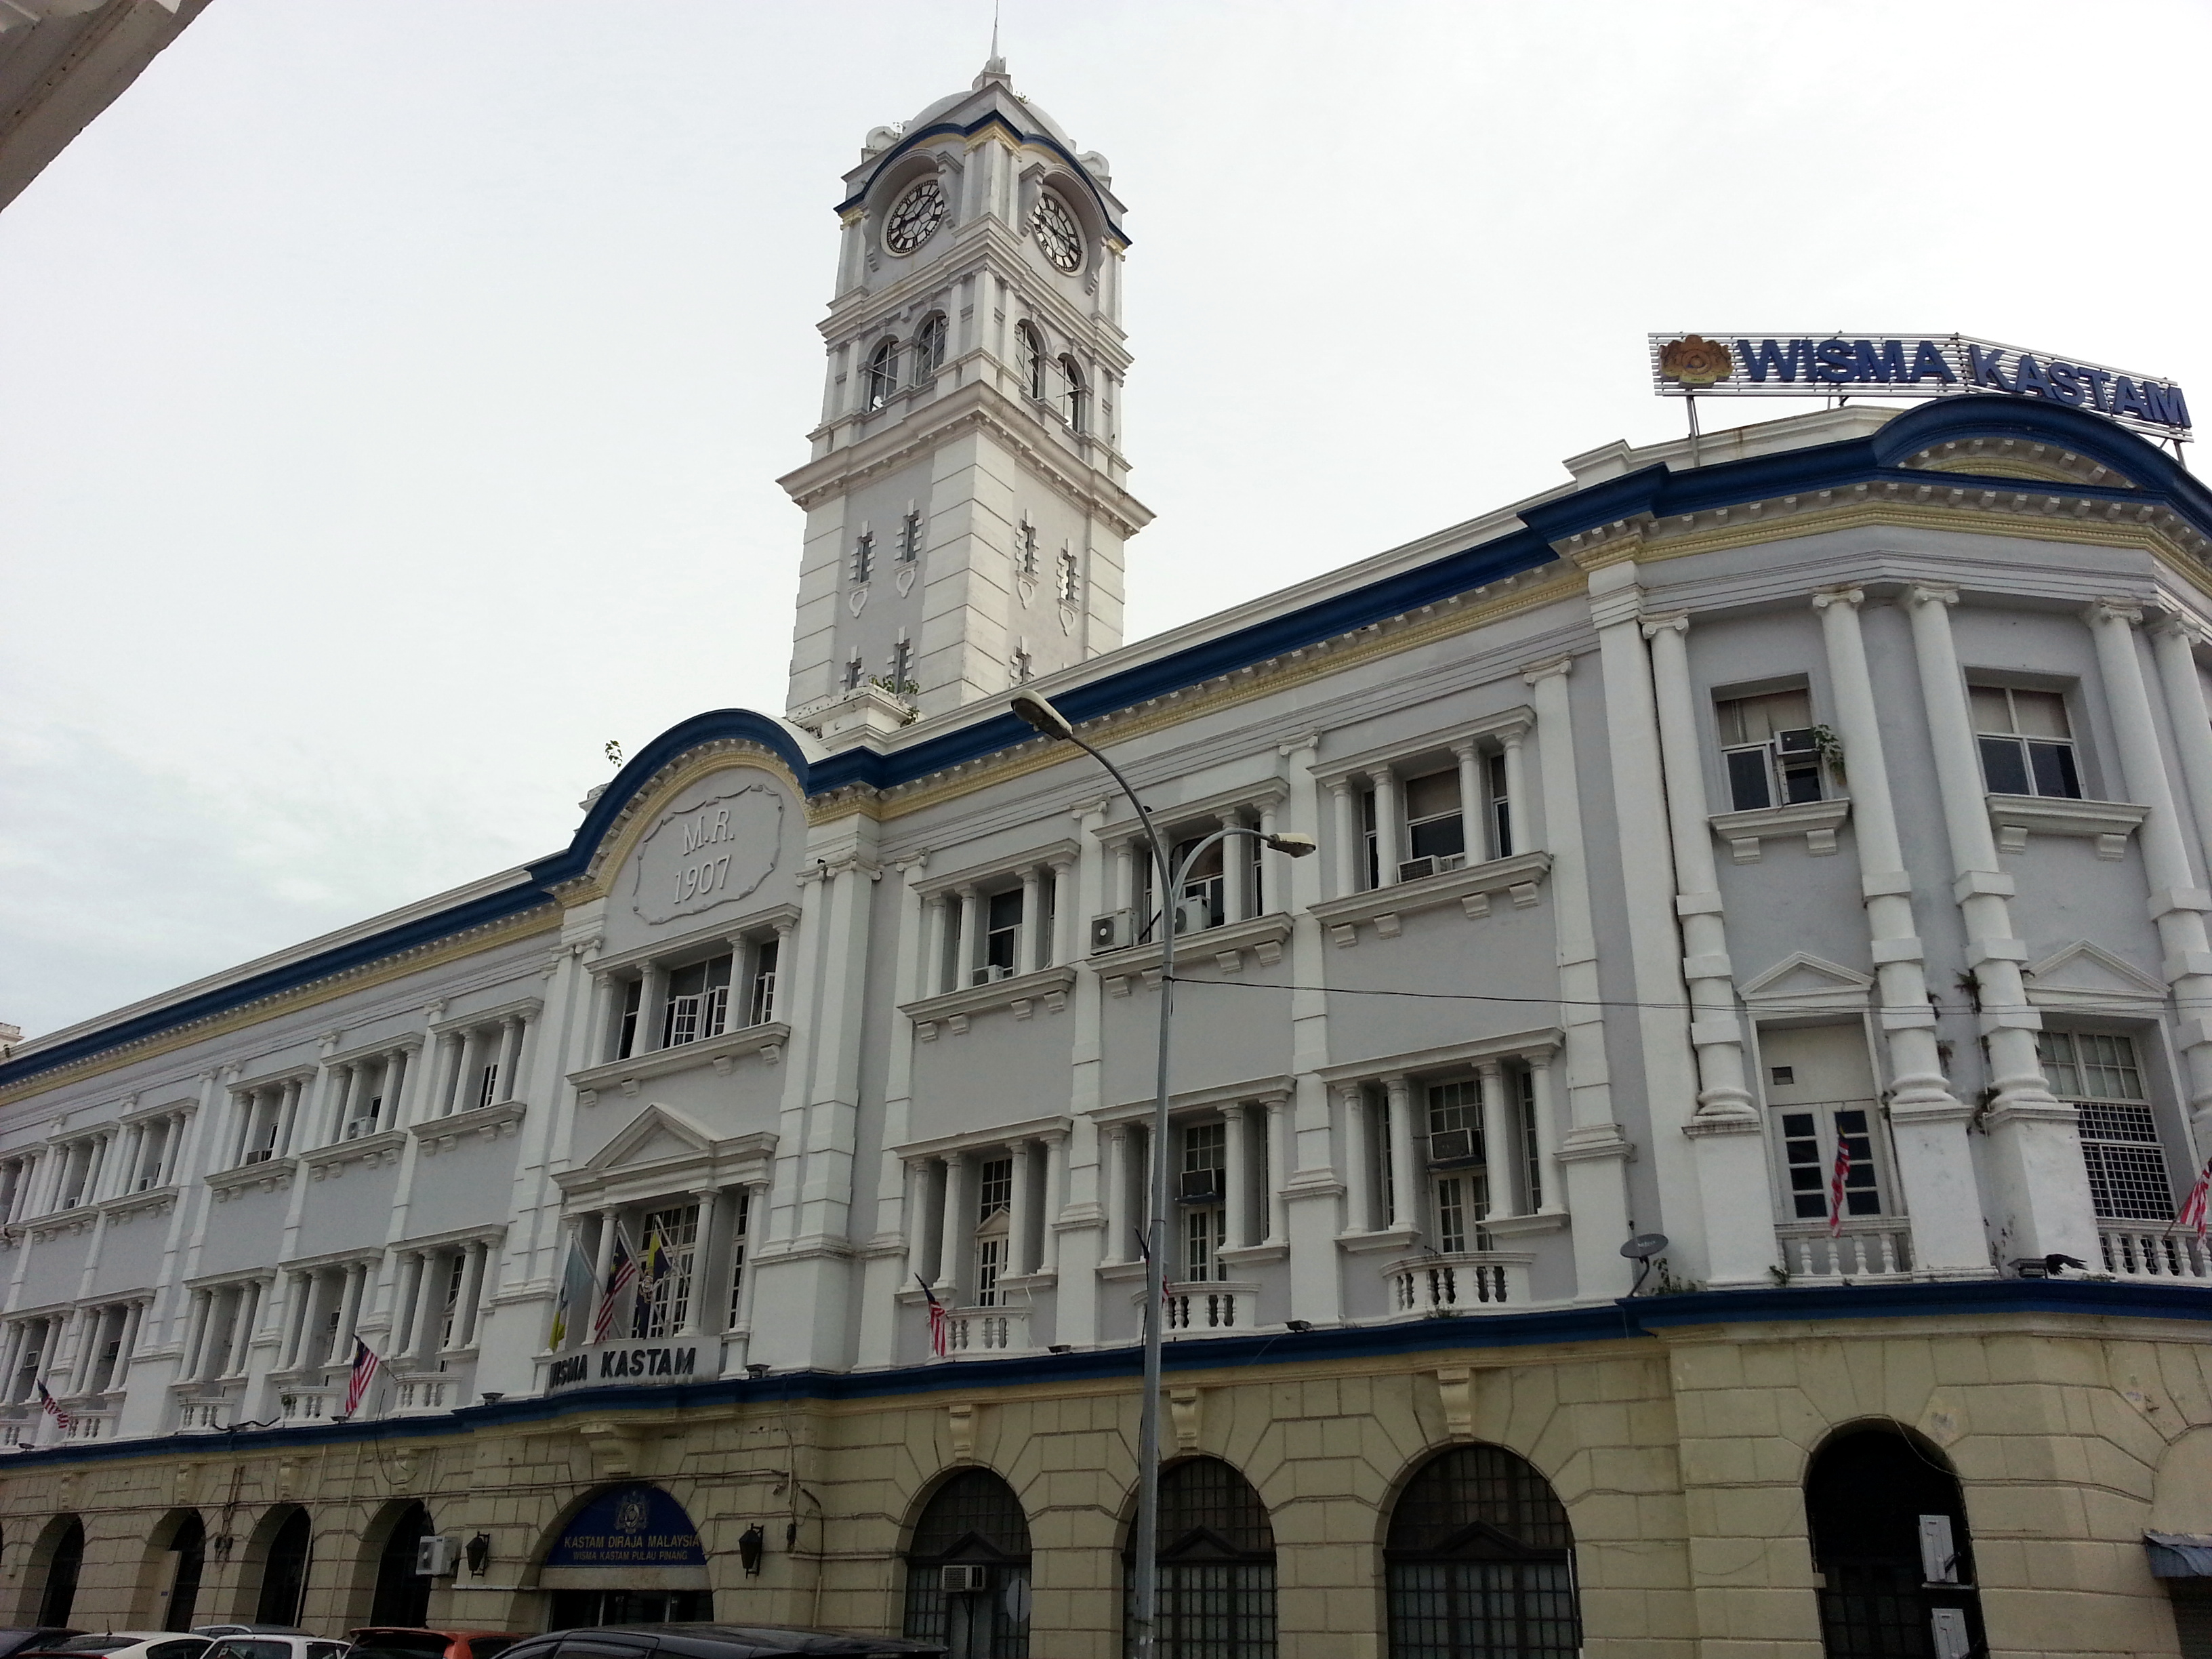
{"points": [[634, 1537]]}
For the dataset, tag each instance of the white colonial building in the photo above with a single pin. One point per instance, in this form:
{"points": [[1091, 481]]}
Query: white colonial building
{"points": [[1819, 821]]}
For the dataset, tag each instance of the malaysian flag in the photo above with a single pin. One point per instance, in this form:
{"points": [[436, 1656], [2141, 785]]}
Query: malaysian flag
{"points": [[936, 1318], [365, 1362], [53, 1408], [2194, 1207], [1836, 1185], [621, 1272]]}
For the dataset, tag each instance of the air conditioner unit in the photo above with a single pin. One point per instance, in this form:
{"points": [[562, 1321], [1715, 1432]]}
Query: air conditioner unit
{"points": [[437, 1556], [145, 1184], [1200, 1186], [1451, 862], [1800, 742], [356, 1128], [1452, 1146], [1414, 869], [259, 1155], [963, 1578], [1193, 915], [1115, 931], [991, 973]]}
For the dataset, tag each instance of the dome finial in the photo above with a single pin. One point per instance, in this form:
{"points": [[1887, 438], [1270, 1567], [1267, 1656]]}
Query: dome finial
{"points": [[994, 66]]}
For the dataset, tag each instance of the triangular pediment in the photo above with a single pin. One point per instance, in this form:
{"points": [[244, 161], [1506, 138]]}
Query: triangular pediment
{"points": [[1807, 980], [656, 1135], [2086, 976]]}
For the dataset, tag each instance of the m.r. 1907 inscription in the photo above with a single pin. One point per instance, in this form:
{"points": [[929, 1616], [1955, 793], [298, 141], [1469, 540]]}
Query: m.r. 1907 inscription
{"points": [[710, 851]]}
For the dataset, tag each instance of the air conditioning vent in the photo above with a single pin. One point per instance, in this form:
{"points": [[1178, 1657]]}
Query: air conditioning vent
{"points": [[1451, 862], [963, 1578], [1452, 1146], [1115, 931], [991, 973], [1193, 915], [436, 1556], [259, 1155], [1200, 1186], [359, 1126], [1800, 742], [1414, 869]]}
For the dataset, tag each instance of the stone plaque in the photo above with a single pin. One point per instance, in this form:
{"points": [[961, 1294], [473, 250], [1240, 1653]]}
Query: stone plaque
{"points": [[715, 846]]}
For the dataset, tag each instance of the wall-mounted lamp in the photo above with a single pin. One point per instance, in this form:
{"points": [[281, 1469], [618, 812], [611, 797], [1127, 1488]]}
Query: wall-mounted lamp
{"points": [[1300, 1325], [492, 1396], [1061, 1347], [752, 1544], [478, 1551]]}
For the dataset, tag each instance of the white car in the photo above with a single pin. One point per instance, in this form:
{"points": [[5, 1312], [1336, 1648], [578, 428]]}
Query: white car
{"points": [[130, 1644], [270, 1644]]}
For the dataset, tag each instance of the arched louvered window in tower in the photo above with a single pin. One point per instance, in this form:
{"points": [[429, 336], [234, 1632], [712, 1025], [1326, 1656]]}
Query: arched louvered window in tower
{"points": [[1217, 1566], [1031, 349], [1889, 1541], [883, 373], [1076, 406], [1480, 1562], [967, 1569], [928, 349]]}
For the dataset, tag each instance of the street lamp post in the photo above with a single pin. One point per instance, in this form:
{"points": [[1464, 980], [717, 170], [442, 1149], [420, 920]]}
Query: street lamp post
{"points": [[1144, 1617]]}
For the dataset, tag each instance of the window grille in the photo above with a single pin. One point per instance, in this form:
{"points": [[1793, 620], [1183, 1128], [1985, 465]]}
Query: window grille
{"points": [[1479, 1563], [883, 373], [995, 1189], [2028, 747], [2120, 1146], [1216, 1565], [972, 1519], [665, 1247], [1866, 1496], [1768, 745]]}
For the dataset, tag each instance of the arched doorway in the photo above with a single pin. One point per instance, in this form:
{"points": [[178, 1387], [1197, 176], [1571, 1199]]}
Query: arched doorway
{"points": [[1890, 1542], [403, 1595], [1216, 1565], [628, 1555], [284, 1569], [974, 1525], [188, 1546], [1479, 1561], [55, 1560]]}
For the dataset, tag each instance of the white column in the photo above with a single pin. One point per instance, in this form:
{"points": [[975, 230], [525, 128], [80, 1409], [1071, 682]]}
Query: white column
{"points": [[1519, 819], [395, 1088], [248, 1305], [1344, 819], [2177, 903], [1497, 1140], [1279, 1127], [1021, 1220], [1263, 879], [921, 1218], [348, 1078], [1066, 921], [341, 1350], [1474, 823], [429, 1302], [127, 1162], [1727, 1135], [2173, 639], [704, 1277], [652, 1004], [756, 1218], [241, 1102], [599, 1027], [933, 945], [1125, 877], [196, 1334], [1118, 1238], [467, 1079], [1927, 1121], [404, 1304], [126, 1351], [300, 1291], [471, 1300], [1358, 1160], [603, 1265], [1543, 1090], [510, 1056], [974, 934], [1031, 944], [1406, 1162], [1235, 869], [1054, 1195], [2043, 1191], [173, 1138], [1389, 833], [287, 1117], [958, 1225], [1238, 1119]]}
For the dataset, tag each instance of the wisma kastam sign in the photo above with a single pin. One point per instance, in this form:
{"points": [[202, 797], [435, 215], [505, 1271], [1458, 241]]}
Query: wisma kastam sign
{"points": [[1906, 366]]}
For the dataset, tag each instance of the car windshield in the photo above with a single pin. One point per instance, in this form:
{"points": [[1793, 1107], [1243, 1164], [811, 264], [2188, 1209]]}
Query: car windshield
{"points": [[95, 1644]]}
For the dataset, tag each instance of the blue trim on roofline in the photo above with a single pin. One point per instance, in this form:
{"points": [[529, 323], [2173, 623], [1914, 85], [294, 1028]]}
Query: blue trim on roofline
{"points": [[969, 131], [1640, 1319], [2160, 479]]}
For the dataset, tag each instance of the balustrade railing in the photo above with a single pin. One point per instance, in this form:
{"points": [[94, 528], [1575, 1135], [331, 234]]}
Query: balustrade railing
{"points": [[1879, 1247], [986, 1333], [2166, 1256], [1210, 1308], [1474, 1281]]}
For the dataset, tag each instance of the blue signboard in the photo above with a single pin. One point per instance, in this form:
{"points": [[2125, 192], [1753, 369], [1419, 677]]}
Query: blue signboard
{"points": [[1728, 365], [634, 1526]]}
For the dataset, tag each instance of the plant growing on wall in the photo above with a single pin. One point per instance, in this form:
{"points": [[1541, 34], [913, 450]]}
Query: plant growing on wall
{"points": [[1832, 750]]}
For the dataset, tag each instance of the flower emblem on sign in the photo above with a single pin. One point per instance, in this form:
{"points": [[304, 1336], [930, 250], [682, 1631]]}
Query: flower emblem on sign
{"points": [[1695, 360]]}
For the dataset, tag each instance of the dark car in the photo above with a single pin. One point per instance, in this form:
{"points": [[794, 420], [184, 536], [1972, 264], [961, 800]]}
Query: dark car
{"points": [[716, 1641], [21, 1639]]}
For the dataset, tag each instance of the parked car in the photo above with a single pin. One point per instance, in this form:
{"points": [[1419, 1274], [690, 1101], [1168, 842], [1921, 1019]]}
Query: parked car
{"points": [[124, 1644], [717, 1641], [400, 1641], [247, 1630], [285, 1644], [21, 1639]]}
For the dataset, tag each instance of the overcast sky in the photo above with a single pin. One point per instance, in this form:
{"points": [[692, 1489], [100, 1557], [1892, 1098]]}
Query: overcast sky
{"points": [[391, 392]]}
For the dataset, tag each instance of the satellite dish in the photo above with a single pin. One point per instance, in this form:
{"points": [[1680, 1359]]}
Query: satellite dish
{"points": [[1644, 1246]]}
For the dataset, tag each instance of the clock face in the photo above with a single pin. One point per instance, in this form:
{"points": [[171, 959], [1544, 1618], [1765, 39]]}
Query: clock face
{"points": [[1057, 232], [916, 218]]}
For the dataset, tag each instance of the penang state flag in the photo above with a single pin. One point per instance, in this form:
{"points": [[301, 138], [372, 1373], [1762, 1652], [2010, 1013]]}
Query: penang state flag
{"points": [[365, 1362], [936, 1318], [575, 1293], [621, 1272], [53, 1408]]}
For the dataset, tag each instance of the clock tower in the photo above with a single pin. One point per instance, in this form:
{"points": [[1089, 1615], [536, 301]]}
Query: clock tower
{"points": [[965, 501]]}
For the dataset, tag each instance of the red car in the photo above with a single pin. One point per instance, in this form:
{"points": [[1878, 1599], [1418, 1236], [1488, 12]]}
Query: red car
{"points": [[393, 1642]]}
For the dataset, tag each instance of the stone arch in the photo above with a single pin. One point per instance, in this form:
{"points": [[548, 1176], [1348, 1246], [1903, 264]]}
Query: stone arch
{"points": [[1478, 1558], [624, 1552], [384, 1566], [1217, 1543], [50, 1577], [272, 1584], [970, 1521], [172, 1573], [1886, 1518]]}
